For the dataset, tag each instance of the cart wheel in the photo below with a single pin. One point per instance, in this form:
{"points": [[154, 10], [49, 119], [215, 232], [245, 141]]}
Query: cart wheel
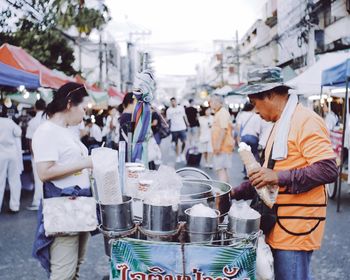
{"points": [[332, 189]]}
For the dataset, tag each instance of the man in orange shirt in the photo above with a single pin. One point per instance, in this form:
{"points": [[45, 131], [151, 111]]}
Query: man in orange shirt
{"points": [[300, 148], [222, 140]]}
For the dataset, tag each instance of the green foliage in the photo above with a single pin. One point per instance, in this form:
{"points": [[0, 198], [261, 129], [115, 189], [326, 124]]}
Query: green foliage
{"points": [[244, 258], [40, 30], [134, 253]]}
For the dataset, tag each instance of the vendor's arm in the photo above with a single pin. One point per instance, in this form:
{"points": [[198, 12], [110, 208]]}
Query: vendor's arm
{"points": [[298, 180], [243, 191], [50, 170]]}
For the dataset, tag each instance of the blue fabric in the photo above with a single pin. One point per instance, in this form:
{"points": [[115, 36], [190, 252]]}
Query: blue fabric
{"points": [[13, 77], [336, 75], [140, 135], [292, 265], [253, 142], [157, 137], [41, 246]]}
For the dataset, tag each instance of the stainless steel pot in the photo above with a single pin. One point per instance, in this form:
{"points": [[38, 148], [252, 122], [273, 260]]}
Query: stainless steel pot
{"points": [[117, 217], [160, 219], [195, 190], [243, 226], [219, 198], [201, 229]]}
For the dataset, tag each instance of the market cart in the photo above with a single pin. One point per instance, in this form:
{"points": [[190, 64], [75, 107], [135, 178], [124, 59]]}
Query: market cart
{"points": [[167, 243]]}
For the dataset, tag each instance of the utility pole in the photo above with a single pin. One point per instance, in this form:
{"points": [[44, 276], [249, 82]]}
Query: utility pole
{"points": [[311, 46], [237, 58], [222, 64], [130, 66], [107, 58], [79, 49], [100, 56]]}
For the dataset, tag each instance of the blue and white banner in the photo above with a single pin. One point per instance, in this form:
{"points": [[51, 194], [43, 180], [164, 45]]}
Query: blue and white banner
{"points": [[133, 259]]}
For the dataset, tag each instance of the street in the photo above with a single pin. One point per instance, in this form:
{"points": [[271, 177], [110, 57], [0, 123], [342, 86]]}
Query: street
{"points": [[17, 233]]}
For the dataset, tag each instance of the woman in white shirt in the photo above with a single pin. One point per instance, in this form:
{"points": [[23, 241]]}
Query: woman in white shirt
{"points": [[62, 163], [205, 124]]}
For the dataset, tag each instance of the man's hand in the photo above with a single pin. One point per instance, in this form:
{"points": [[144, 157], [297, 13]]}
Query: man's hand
{"points": [[263, 177], [216, 150]]}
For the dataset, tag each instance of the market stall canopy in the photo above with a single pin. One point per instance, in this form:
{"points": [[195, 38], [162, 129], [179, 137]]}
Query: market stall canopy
{"points": [[309, 82], [98, 96], [20, 59], [337, 75], [79, 79], [225, 90], [12, 77], [115, 93]]}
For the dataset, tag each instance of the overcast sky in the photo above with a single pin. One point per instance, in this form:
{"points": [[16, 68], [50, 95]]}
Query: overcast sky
{"points": [[182, 31]]}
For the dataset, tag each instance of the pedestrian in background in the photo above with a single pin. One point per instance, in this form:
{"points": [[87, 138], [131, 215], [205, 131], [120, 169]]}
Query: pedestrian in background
{"points": [[193, 124], [33, 124], [129, 102], [300, 160], [221, 137], [205, 146], [10, 165], [62, 163], [330, 117], [93, 137], [156, 125], [111, 128], [178, 125]]}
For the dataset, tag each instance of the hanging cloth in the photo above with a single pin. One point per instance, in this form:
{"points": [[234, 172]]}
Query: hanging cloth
{"points": [[141, 118]]}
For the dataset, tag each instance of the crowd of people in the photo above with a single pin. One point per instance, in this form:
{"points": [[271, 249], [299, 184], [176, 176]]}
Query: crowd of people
{"points": [[212, 131], [291, 142]]}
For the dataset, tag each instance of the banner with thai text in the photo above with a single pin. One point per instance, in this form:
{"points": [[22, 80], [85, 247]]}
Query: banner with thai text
{"points": [[133, 259]]}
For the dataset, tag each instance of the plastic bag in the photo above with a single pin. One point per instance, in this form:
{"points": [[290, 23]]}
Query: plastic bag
{"points": [[264, 261], [269, 193], [154, 152], [242, 210], [166, 187], [106, 175]]}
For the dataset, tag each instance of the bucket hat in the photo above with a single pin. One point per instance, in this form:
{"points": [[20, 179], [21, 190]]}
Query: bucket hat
{"points": [[263, 79]]}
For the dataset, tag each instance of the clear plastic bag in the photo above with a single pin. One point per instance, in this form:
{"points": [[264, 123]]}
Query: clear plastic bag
{"points": [[106, 175]]}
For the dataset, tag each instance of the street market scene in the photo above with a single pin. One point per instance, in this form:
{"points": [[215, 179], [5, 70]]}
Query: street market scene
{"points": [[181, 140]]}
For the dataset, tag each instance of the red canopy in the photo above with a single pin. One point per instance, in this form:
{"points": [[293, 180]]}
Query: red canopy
{"points": [[20, 59], [113, 92], [92, 87]]}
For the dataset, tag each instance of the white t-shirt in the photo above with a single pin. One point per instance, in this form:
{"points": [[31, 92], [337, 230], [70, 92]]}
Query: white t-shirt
{"points": [[34, 123], [176, 116], [205, 124], [250, 122], [95, 132], [76, 129], [255, 126], [52, 142], [331, 120], [107, 127]]}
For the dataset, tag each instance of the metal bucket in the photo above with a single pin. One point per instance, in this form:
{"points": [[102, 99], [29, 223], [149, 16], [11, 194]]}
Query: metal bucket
{"points": [[218, 198], [160, 219], [201, 229], [195, 190], [117, 217], [243, 226]]}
